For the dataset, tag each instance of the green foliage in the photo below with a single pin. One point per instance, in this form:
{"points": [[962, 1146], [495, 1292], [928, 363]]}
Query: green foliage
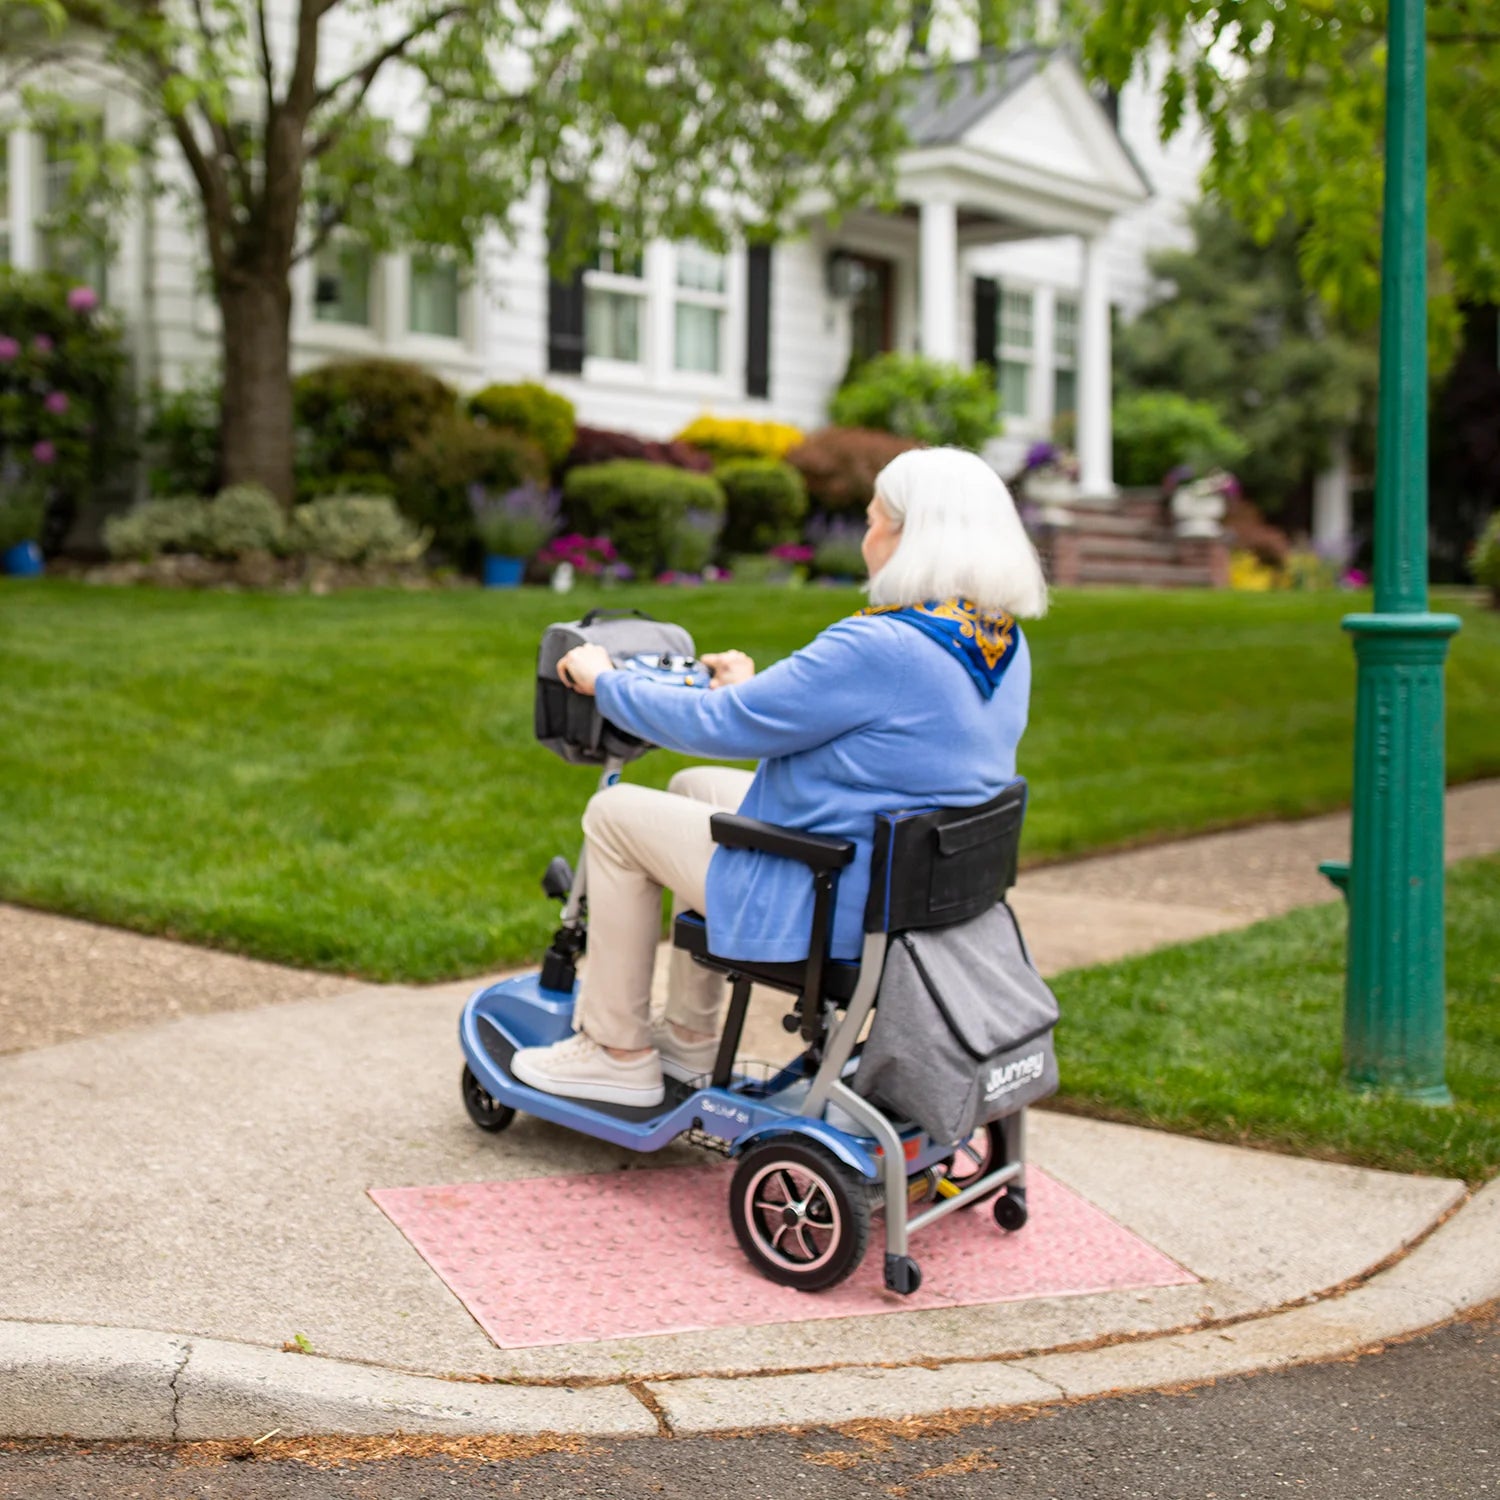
{"points": [[21, 512], [767, 502], [533, 412], [695, 541], [1239, 330], [641, 507], [836, 548], [355, 529], [243, 518], [1155, 431], [434, 476], [921, 398], [177, 523], [316, 486], [839, 465], [516, 524], [63, 418], [1485, 562], [359, 416], [181, 439], [1293, 99]]}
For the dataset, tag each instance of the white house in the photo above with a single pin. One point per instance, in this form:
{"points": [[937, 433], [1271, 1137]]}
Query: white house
{"points": [[1027, 207]]}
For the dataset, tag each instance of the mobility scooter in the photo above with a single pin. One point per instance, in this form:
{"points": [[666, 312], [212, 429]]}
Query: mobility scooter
{"points": [[817, 1160]]}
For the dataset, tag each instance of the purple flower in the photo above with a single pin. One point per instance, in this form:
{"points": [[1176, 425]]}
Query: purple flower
{"points": [[792, 552], [44, 452], [83, 299], [56, 403], [1040, 453], [41, 344], [9, 348]]}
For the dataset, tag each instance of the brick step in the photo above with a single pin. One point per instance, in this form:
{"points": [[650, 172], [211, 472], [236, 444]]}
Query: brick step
{"points": [[1116, 548], [1137, 574], [1108, 523]]}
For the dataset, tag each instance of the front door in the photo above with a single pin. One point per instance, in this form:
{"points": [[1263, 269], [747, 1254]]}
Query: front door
{"points": [[871, 313]]}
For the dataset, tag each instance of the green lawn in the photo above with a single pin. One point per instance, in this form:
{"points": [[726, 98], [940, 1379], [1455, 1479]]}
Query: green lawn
{"points": [[1237, 1038], [351, 783]]}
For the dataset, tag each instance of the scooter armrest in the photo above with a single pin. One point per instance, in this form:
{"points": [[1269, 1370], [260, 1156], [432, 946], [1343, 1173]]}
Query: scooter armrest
{"points": [[814, 849]]}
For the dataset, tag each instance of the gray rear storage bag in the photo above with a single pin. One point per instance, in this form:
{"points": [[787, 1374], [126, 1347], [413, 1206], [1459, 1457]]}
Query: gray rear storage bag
{"points": [[963, 1027], [570, 724]]}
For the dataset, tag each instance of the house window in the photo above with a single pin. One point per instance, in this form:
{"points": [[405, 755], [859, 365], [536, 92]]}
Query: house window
{"points": [[1064, 356], [614, 306], [433, 297], [66, 253], [702, 309], [1013, 346], [341, 286]]}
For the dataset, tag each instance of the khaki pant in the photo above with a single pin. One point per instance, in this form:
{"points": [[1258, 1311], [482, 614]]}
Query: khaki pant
{"points": [[638, 842]]}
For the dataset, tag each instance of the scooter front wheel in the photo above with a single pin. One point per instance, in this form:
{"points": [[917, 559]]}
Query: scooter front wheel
{"points": [[801, 1216], [486, 1111]]}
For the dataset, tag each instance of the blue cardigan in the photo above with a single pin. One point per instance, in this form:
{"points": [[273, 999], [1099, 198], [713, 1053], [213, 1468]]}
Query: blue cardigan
{"points": [[872, 716]]}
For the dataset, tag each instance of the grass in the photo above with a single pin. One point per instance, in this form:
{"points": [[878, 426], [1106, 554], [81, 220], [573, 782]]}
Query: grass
{"points": [[351, 782], [1237, 1038]]}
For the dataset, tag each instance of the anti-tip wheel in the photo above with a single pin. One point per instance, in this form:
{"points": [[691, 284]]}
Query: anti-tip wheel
{"points": [[1010, 1210], [486, 1111], [801, 1216]]}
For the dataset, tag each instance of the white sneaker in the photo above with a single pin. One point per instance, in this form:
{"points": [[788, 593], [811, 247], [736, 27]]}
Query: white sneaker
{"points": [[579, 1068], [684, 1061]]}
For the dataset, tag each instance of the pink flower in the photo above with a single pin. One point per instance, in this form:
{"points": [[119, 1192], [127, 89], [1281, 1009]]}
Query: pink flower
{"points": [[44, 452], [83, 299], [41, 344], [9, 348], [56, 403]]}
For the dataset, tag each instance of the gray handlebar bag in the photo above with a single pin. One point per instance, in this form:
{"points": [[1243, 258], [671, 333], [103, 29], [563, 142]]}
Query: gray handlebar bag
{"points": [[569, 724], [962, 1032]]}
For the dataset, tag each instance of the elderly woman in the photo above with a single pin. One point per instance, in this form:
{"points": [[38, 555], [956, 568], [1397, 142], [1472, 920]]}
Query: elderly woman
{"points": [[919, 700]]}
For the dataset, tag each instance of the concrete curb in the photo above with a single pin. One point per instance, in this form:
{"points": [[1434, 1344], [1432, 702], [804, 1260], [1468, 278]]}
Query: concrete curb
{"points": [[62, 1380]]}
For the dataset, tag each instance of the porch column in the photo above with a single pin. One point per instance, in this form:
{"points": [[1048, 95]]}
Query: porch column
{"points": [[938, 281], [1095, 455], [25, 199], [1332, 512]]}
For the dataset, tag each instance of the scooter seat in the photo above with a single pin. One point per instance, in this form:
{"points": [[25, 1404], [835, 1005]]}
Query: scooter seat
{"points": [[690, 933]]}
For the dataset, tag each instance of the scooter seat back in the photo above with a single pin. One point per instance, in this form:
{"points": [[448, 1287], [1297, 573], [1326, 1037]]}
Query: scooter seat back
{"points": [[570, 724]]}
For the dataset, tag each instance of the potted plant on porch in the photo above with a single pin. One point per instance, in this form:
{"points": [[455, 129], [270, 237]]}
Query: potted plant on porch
{"points": [[512, 528]]}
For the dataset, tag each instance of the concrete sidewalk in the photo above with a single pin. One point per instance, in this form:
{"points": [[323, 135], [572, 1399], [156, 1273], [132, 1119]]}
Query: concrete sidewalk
{"points": [[183, 1198]]}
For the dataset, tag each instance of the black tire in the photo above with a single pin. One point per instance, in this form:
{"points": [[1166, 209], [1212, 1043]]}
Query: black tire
{"points": [[801, 1216], [978, 1155], [1010, 1210], [486, 1111]]}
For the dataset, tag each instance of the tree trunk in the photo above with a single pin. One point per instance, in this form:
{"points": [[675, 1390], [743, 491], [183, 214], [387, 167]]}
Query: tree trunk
{"points": [[257, 416]]}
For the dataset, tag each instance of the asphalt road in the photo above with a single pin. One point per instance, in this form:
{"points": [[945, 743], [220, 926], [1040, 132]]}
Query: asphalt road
{"points": [[1419, 1419]]}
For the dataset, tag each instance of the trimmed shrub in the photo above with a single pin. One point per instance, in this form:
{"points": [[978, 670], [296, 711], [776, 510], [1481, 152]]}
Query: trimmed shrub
{"points": [[172, 524], [434, 477], [1484, 562], [532, 411], [359, 416], [739, 437], [839, 465], [1155, 431], [640, 507], [181, 440], [694, 541], [355, 529], [243, 518], [924, 399], [599, 445], [766, 500]]}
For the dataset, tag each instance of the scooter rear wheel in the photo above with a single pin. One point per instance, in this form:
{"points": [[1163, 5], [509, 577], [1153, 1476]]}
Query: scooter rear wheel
{"points": [[801, 1216], [486, 1111], [982, 1152]]}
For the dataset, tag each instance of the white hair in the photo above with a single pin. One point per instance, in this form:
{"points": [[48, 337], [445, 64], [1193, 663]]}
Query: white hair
{"points": [[960, 536]]}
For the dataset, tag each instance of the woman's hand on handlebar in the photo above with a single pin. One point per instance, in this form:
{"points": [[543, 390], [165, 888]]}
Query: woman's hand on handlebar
{"points": [[581, 667], [728, 667]]}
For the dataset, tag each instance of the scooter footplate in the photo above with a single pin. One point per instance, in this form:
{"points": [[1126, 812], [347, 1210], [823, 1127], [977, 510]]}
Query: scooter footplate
{"points": [[501, 1049]]}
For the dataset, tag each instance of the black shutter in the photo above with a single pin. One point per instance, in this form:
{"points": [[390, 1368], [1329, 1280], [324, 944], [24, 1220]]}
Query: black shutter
{"points": [[564, 298], [758, 322], [986, 310]]}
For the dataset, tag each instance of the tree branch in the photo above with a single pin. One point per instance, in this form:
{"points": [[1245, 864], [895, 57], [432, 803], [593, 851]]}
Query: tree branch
{"points": [[365, 72], [267, 71]]}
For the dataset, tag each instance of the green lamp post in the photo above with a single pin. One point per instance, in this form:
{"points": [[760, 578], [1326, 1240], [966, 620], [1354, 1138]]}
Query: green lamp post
{"points": [[1394, 1000]]}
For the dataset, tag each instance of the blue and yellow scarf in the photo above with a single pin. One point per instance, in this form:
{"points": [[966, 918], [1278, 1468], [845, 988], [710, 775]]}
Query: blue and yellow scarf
{"points": [[985, 644]]}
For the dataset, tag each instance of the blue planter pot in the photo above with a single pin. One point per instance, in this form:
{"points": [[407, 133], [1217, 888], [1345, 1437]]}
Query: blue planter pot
{"points": [[24, 560], [503, 572]]}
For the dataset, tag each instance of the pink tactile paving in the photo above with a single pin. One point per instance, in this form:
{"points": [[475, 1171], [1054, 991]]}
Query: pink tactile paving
{"points": [[561, 1260]]}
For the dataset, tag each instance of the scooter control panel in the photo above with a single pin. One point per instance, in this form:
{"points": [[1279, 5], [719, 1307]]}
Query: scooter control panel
{"points": [[675, 671]]}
